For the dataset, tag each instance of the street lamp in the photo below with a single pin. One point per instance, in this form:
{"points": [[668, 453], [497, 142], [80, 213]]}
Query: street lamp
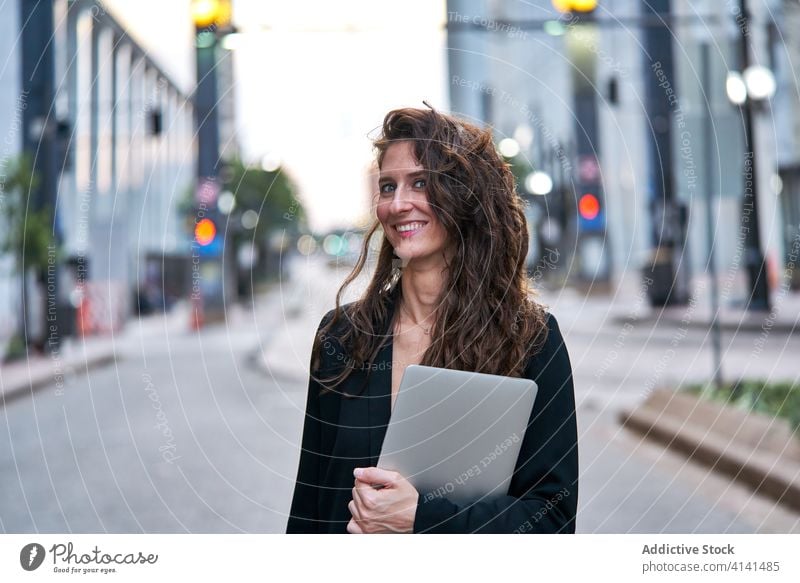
{"points": [[759, 85], [760, 82], [524, 136], [539, 182], [226, 202], [509, 147], [735, 88]]}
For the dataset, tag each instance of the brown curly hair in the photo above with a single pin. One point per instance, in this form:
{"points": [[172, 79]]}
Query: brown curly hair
{"points": [[486, 318]]}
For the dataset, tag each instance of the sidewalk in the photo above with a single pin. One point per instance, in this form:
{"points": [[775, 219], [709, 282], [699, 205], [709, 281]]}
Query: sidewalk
{"points": [[287, 355], [783, 317], [80, 355], [758, 450]]}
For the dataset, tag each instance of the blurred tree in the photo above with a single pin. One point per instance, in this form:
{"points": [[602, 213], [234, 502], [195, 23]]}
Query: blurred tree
{"points": [[271, 197], [28, 236], [520, 168], [265, 210], [271, 194]]}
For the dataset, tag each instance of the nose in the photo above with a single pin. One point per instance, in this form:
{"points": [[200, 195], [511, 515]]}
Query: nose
{"points": [[401, 201]]}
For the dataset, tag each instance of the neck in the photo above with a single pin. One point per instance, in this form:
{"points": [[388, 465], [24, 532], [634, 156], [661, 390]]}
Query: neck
{"points": [[421, 287]]}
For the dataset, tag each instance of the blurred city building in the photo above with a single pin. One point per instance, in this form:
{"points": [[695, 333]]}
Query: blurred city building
{"points": [[112, 139], [12, 105], [518, 66]]}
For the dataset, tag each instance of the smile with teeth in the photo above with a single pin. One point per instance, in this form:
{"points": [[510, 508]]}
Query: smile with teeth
{"points": [[410, 228]]}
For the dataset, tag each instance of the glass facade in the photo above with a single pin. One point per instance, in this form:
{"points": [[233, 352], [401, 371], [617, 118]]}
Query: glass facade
{"points": [[131, 156]]}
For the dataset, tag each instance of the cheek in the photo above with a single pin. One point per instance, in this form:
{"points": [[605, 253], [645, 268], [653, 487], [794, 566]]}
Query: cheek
{"points": [[381, 212], [442, 235], [438, 226]]}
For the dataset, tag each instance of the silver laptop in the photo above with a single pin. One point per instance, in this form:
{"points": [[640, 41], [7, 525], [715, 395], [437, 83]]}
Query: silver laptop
{"points": [[457, 434]]}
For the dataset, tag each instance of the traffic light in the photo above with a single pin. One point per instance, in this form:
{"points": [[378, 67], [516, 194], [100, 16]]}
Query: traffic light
{"points": [[580, 6], [208, 241], [591, 216], [205, 231], [211, 14]]}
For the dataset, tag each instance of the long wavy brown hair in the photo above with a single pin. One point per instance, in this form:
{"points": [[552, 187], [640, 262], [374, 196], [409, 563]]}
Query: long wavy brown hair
{"points": [[486, 317]]}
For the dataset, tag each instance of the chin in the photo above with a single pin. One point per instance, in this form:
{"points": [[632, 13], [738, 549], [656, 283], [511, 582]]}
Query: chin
{"points": [[417, 254]]}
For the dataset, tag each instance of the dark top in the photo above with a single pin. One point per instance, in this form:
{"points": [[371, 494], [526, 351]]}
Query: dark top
{"points": [[342, 433]]}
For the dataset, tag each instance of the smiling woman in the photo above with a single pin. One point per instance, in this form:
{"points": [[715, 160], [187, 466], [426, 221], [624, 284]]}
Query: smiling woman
{"points": [[403, 209], [449, 290]]}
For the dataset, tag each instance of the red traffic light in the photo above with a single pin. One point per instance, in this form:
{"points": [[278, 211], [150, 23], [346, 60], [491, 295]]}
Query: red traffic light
{"points": [[204, 232], [589, 206]]}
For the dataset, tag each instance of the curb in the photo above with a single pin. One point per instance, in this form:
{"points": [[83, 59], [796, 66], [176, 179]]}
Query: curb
{"points": [[729, 325], [728, 440], [41, 373], [275, 360], [280, 357]]}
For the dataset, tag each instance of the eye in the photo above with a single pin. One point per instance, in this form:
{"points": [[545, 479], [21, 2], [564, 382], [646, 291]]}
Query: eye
{"points": [[386, 188], [419, 183]]}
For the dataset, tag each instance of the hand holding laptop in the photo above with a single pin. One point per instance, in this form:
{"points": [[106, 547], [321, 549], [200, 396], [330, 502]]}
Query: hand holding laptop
{"points": [[455, 433], [388, 509]]}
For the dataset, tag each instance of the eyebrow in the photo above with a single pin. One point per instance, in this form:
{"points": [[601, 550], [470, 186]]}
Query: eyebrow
{"points": [[414, 174]]}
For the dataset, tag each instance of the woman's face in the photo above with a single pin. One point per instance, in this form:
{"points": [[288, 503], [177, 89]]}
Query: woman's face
{"points": [[403, 209]]}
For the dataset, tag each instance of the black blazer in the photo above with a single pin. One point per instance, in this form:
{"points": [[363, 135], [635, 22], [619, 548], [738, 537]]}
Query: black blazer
{"points": [[343, 432]]}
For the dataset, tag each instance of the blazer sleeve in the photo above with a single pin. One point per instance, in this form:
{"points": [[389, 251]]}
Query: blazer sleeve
{"points": [[303, 516], [543, 493]]}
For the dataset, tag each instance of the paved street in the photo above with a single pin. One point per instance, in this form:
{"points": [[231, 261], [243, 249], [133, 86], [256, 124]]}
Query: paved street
{"points": [[181, 434], [190, 432]]}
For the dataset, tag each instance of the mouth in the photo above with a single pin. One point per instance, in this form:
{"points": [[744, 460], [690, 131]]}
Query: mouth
{"points": [[410, 229]]}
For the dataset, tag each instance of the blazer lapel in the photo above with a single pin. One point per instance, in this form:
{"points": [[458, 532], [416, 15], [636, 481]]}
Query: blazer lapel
{"points": [[379, 388], [380, 404]]}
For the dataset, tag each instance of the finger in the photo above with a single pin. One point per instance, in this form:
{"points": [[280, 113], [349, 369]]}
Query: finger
{"points": [[354, 510], [373, 485], [362, 496], [353, 528], [375, 475]]}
